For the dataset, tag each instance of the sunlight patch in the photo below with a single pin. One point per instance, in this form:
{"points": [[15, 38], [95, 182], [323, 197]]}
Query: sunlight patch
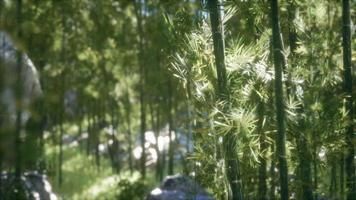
{"points": [[103, 186]]}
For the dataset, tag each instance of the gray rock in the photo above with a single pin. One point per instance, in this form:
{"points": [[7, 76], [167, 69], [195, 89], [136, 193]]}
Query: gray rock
{"points": [[29, 84], [179, 187], [35, 186], [8, 67]]}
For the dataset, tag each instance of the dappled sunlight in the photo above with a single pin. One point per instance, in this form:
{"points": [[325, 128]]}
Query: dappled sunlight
{"points": [[101, 187], [83, 180], [151, 145], [177, 99]]}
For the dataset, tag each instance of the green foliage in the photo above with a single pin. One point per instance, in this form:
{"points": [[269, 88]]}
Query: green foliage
{"points": [[248, 81], [132, 190], [91, 48]]}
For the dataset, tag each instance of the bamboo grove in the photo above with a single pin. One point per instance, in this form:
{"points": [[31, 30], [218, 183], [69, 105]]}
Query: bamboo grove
{"points": [[253, 99]]}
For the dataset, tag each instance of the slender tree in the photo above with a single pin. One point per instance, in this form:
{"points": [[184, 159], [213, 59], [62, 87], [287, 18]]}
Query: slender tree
{"points": [[262, 171], [301, 139], [128, 123], [350, 136], [272, 192], [97, 126], [61, 106], [170, 122], [157, 132], [229, 140], [342, 176], [139, 16], [61, 131], [18, 93], [2, 106], [279, 65]]}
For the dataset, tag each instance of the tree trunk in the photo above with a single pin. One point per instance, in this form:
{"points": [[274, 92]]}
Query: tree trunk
{"points": [[349, 135], [128, 120], [60, 172], [162, 157], [61, 130], [190, 116], [139, 16], [115, 145], [333, 184], [170, 122], [301, 140], [89, 130], [279, 64], [97, 127], [162, 165], [315, 166], [157, 130], [61, 103], [80, 131], [2, 106], [342, 176], [18, 96], [305, 166], [229, 141], [262, 171], [272, 194]]}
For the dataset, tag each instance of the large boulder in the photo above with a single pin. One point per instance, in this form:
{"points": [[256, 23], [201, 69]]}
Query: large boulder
{"points": [[31, 88], [179, 187], [34, 186], [20, 83]]}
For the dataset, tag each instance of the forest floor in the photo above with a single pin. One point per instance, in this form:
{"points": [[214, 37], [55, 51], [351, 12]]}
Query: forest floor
{"points": [[81, 177]]}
